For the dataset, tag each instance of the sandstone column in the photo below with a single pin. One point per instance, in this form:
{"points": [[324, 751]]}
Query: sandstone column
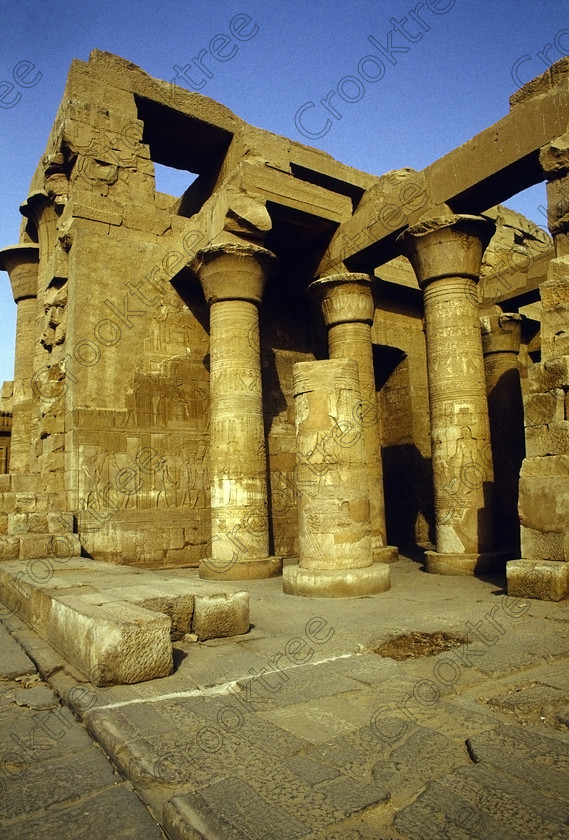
{"points": [[501, 337], [446, 254], [233, 279], [544, 478], [335, 558], [347, 306], [21, 263]]}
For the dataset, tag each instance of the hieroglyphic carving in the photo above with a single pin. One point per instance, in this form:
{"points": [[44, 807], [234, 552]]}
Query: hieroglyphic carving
{"points": [[460, 433]]}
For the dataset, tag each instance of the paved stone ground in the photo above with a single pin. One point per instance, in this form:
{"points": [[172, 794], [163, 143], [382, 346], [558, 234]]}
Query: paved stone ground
{"points": [[55, 782], [298, 729]]}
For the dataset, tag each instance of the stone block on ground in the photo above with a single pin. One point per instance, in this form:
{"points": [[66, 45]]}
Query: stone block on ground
{"points": [[220, 614], [117, 622], [546, 580]]}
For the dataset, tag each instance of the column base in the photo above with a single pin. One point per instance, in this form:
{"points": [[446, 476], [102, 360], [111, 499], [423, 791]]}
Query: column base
{"points": [[492, 562], [385, 553], [336, 583], [266, 567], [546, 580]]}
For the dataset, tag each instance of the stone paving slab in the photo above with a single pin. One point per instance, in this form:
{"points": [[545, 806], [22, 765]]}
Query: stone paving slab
{"points": [[54, 781], [479, 803], [13, 660], [507, 748], [111, 814], [348, 745]]}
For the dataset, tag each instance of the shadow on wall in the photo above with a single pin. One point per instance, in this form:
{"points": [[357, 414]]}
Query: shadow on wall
{"points": [[407, 481], [506, 413]]}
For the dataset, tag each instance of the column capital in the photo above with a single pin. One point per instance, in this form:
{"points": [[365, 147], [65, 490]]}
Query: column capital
{"points": [[21, 263], [233, 271], [446, 246], [34, 205], [501, 333], [344, 298]]}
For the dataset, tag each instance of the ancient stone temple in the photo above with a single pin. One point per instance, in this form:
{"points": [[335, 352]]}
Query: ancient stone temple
{"points": [[293, 360]]}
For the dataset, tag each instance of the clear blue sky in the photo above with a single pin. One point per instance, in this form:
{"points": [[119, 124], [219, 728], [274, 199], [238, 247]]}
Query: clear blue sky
{"points": [[447, 75]]}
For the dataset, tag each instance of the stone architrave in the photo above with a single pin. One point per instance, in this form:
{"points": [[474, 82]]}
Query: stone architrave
{"points": [[446, 255], [501, 338], [233, 279], [21, 262], [335, 557], [347, 306]]}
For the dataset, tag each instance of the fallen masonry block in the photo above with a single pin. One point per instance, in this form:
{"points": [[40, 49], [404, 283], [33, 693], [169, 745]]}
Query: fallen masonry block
{"points": [[547, 580], [191, 606], [220, 614], [116, 625], [115, 643]]}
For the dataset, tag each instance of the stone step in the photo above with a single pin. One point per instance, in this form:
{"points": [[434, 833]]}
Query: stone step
{"points": [[115, 624]]}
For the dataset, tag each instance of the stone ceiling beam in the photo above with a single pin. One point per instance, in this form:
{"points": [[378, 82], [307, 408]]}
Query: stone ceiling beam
{"points": [[491, 167]]}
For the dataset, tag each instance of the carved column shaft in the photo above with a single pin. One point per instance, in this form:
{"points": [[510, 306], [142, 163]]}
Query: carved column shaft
{"points": [[446, 255], [21, 262], [501, 337], [233, 279], [335, 558], [237, 451], [348, 308]]}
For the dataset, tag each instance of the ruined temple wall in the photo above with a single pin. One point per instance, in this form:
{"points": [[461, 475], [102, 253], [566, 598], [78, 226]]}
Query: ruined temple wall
{"points": [[137, 413]]}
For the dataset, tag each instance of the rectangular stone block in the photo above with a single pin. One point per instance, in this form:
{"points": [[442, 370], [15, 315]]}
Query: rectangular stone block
{"points": [[163, 598], [5, 483], [551, 439], [220, 614], [555, 333], [27, 523], [49, 545], [9, 548], [187, 557], [541, 409], [544, 503], [557, 207], [554, 291], [545, 376], [114, 643], [544, 580], [24, 483], [550, 465], [60, 523], [540, 545], [7, 502]]}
